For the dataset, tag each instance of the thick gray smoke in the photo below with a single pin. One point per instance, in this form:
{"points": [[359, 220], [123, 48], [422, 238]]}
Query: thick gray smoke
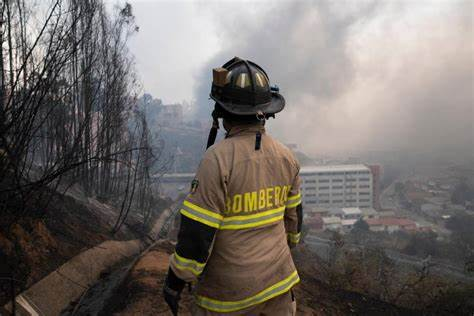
{"points": [[358, 76]]}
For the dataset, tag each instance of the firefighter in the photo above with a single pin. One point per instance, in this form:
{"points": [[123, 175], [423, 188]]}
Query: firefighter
{"points": [[243, 211]]}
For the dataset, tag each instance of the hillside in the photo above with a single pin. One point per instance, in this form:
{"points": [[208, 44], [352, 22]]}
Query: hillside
{"points": [[44, 238], [140, 293], [71, 230], [133, 287]]}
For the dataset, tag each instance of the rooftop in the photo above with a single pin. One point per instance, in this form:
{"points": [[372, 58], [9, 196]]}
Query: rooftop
{"points": [[351, 210], [333, 168], [369, 211], [316, 210], [331, 220], [390, 221], [386, 213], [348, 222]]}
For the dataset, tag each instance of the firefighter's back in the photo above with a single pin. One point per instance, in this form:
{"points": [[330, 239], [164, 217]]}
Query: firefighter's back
{"points": [[244, 207], [250, 249]]}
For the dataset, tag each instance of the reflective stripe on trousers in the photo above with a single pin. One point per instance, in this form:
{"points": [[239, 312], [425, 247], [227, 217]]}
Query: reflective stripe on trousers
{"points": [[270, 292], [281, 305]]}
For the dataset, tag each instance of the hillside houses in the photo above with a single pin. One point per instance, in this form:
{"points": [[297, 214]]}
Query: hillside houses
{"points": [[344, 219]]}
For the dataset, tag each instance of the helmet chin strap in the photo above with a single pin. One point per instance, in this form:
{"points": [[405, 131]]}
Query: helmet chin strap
{"points": [[213, 132], [262, 117]]}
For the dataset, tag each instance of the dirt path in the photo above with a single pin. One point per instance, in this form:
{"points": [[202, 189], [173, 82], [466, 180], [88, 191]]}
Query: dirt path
{"points": [[140, 293], [105, 294], [93, 301]]}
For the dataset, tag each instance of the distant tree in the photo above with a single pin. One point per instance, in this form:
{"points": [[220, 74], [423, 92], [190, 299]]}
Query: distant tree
{"points": [[422, 245], [68, 110], [390, 174], [360, 232], [400, 190], [462, 227], [462, 193], [461, 224], [361, 226], [399, 187]]}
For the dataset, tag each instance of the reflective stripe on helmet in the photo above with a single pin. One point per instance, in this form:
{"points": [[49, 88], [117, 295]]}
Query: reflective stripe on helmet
{"points": [[229, 306], [261, 80]]}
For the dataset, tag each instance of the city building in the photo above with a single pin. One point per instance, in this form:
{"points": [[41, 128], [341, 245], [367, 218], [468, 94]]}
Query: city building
{"points": [[386, 213], [351, 213], [314, 223], [332, 223], [346, 212], [369, 213], [348, 224], [174, 184], [166, 115], [170, 115], [318, 211], [391, 224], [376, 171], [337, 186]]}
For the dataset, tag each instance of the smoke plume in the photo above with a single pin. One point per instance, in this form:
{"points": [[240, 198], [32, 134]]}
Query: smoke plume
{"points": [[358, 76]]}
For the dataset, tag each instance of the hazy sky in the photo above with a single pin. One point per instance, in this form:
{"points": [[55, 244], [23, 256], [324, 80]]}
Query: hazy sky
{"points": [[357, 75], [175, 40]]}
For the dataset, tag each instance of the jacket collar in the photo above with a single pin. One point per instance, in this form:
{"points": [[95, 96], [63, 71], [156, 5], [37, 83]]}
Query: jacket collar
{"points": [[245, 129]]}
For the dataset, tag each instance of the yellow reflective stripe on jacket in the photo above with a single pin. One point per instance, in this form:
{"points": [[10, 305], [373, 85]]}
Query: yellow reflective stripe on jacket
{"points": [[254, 220], [294, 238], [215, 220], [293, 201], [231, 306], [200, 214], [188, 264]]}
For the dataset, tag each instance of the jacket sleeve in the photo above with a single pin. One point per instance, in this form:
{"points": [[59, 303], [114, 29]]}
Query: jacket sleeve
{"points": [[200, 219], [294, 213]]}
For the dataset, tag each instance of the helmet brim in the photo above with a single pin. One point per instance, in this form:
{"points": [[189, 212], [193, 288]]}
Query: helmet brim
{"points": [[276, 105]]}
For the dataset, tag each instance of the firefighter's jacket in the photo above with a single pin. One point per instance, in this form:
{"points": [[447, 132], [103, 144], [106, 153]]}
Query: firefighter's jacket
{"points": [[241, 214]]}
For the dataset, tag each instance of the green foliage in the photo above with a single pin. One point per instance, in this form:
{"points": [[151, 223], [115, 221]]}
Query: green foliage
{"points": [[455, 301], [399, 187], [361, 225], [422, 245], [462, 227], [462, 193]]}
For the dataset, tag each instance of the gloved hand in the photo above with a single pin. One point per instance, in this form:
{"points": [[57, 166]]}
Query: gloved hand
{"points": [[171, 291], [172, 299]]}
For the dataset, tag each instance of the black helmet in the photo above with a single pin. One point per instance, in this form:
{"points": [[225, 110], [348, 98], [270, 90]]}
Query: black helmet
{"points": [[241, 87]]}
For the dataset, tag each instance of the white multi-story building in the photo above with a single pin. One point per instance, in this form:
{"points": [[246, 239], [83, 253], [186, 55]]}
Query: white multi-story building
{"points": [[337, 186]]}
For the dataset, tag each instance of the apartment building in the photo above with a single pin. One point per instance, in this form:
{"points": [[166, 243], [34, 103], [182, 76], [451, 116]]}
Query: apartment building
{"points": [[337, 186]]}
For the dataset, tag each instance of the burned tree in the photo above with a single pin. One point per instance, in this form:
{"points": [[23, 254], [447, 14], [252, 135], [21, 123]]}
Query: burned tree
{"points": [[68, 111]]}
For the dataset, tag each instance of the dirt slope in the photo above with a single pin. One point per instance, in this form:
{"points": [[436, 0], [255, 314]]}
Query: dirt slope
{"points": [[140, 294], [43, 238]]}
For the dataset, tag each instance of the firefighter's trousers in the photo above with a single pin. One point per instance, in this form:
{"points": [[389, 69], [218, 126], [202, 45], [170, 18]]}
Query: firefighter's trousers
{"points": [[282, 305]]}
